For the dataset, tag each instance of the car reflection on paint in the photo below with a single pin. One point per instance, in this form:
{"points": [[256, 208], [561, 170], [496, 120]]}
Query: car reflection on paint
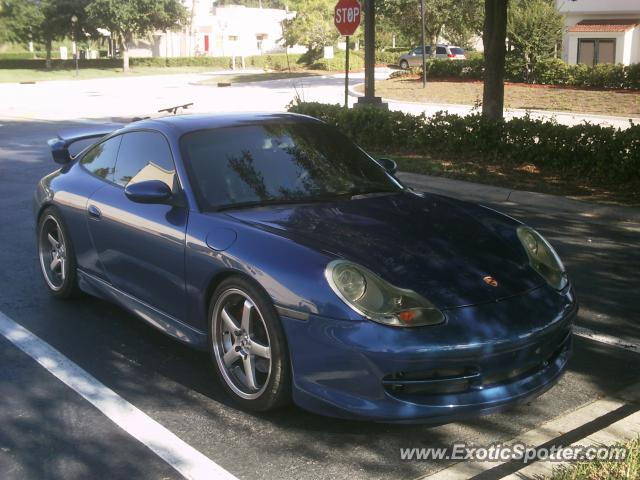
{"points": [[305, 267]]}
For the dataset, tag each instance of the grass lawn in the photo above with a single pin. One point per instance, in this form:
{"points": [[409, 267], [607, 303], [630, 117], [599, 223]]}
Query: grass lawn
{"points": [[534, 97], [32, 75], [599, 470], [523, 177]]}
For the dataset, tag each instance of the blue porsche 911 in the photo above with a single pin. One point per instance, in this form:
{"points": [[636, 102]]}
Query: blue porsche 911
{"points": [[305, 268]]}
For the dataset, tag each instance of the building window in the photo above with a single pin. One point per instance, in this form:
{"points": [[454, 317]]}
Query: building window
{"points": [[593, 51], [260, 37]]}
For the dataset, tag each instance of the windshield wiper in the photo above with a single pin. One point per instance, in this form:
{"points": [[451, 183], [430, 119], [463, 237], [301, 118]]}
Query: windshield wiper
{"points": [[373, 193], [258, 203], [354, 194]]}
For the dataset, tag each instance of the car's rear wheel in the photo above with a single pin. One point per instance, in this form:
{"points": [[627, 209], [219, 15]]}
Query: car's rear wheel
{"points": [[248, 345], [404, 64], [56, 255]]}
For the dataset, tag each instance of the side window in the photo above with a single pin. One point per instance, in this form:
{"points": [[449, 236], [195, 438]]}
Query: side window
{"points": [[144, 156], [441, 51], [101, 159]]}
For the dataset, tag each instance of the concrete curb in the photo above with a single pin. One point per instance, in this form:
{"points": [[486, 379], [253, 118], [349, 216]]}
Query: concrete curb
{"points": [[503, 196]]}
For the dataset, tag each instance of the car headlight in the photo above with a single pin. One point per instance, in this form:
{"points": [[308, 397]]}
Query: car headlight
{"points": [[371, 296], [542, 257]]}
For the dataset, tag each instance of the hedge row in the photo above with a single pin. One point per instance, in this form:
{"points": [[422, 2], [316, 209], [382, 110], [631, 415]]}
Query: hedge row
{"points": [[546, 72], [389, 57], [588, 150], [20, 55], [57, 64], [271, 61], [337, 63]]}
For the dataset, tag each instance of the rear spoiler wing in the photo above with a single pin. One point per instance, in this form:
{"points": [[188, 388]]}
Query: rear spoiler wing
{"points": [[60, 145]]}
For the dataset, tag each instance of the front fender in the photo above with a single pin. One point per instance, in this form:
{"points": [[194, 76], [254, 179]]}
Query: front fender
{"points": [[291, 274]]}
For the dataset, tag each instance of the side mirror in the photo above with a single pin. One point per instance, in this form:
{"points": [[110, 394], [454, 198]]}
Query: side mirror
{"points": [[59, 151], [148, 191], [389, 165]]}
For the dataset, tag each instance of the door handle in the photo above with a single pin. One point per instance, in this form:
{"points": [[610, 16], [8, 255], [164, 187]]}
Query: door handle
{"points": [[94, 212]]}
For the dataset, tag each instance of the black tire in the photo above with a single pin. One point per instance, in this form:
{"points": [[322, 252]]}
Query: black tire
{"points": [[265, 329], [64, 285], [404, 65]]}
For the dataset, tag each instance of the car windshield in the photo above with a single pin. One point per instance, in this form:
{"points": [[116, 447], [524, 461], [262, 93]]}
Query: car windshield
{"points": [[278, 163], [457, 51]]}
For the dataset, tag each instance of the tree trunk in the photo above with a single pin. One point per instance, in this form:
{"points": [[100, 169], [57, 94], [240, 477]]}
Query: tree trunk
{"points": [[48, 47], [124, 50], [494, 38]]}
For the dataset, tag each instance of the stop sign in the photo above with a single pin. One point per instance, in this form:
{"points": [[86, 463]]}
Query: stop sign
{"points": [[347, 16]]}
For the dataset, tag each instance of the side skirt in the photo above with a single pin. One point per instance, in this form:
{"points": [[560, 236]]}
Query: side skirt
{"points": [[160, 320]]}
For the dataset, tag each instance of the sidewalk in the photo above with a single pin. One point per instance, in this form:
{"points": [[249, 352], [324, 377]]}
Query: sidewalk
{"points": [[479, 193]]}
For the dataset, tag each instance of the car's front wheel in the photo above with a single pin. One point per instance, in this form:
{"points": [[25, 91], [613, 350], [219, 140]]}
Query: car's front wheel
{"points": [[56, 255], [404, 64], [248, 345]]}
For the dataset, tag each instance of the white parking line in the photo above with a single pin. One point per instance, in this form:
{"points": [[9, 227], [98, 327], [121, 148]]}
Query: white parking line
{"points": [[608, 339], [185, 459]]}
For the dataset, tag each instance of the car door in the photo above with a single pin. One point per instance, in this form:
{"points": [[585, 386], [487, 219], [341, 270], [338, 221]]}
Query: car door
{"points": [[441, 53], [92, 171], [141, 246], [416, 57]]}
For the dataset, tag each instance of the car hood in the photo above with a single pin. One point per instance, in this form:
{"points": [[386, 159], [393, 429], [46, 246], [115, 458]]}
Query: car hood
{"points": [[426, 243]]}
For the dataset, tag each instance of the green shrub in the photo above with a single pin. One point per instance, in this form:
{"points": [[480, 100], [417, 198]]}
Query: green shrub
{"points": [[336, 64], [147, 62], [270, 61], [389, 58], [473, 55], [274, 61], [586, 149], [57, 64], [468, 69], [398, 50], [633, 75], [17, 56], [552, 71], [608, 76]]}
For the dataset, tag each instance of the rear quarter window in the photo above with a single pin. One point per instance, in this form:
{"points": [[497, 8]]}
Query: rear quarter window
{"points": [[101, 159]]}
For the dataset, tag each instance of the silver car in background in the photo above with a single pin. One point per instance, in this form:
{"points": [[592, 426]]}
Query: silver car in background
{"points": [[442, 52]]}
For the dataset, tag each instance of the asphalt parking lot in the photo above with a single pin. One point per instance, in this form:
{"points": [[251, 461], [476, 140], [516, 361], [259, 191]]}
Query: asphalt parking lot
{"points": [[48, 431]]}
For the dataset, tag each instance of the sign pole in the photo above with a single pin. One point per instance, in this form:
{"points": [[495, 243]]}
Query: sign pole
{"points": [[346, 75], [424, 53]]}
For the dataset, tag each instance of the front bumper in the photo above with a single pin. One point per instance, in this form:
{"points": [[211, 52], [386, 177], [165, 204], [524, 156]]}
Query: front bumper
{"points": [[483, 359]]}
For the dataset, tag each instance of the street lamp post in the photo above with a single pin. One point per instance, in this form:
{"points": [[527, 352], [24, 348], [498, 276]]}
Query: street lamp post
{"points": [[424, 53], [74, 20]]}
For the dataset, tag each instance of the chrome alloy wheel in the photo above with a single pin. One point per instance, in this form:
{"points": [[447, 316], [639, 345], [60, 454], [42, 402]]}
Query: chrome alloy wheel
{"points": [[53, 253], [241, 344]]}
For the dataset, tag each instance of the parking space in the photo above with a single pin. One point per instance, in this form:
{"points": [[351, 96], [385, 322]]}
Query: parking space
{"points": [[49, 431]]}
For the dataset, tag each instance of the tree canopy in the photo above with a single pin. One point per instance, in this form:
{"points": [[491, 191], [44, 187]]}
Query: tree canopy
{"points": [[534, 31], [456, 20], [312, 26], [44, 21], [127, 18], [253, 3]]}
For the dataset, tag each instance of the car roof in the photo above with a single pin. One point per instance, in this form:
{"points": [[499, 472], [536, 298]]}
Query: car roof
{"points": [[180, 124]]}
